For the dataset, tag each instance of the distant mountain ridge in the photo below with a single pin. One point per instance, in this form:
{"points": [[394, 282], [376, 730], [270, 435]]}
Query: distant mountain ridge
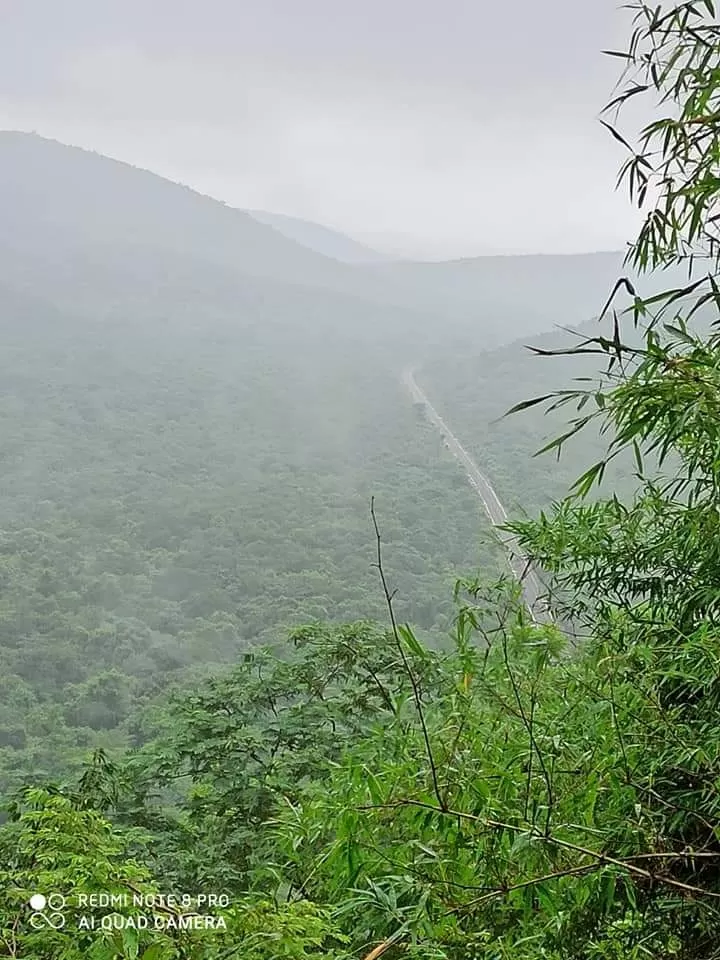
{"points": [[85, 197], [321, 239], [73, 220]]}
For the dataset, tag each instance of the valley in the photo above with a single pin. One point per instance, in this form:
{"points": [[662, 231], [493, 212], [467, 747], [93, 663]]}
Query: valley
{"points": [[197, 412]]}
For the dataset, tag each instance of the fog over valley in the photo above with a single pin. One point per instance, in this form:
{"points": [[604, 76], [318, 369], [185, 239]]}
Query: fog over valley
{"points": [[200, 403]]}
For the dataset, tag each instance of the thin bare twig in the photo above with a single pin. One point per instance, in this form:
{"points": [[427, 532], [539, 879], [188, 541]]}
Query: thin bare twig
{"points": [[534, 748], [406, 663]]}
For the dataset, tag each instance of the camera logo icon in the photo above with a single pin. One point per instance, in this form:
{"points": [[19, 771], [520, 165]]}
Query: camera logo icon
{"points": [[47, 911]]}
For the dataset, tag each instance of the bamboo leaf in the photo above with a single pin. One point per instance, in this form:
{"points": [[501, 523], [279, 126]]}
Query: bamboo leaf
{"points": [[526, 404]]}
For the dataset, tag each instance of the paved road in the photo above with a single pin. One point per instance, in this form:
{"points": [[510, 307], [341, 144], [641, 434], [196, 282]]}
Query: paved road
{"points": [[531, 586]]}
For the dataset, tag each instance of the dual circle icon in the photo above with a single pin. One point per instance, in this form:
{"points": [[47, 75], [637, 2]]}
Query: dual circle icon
{"points": [[47, 911]]}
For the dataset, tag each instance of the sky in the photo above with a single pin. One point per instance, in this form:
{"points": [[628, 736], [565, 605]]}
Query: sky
{"points": [[427, 128]]}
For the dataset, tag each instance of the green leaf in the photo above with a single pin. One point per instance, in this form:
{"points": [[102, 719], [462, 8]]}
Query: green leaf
{"points": [[526, 404], [412, 642]]}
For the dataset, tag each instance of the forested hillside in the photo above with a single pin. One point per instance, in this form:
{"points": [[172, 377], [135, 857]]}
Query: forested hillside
{"points": [[475, 392], [176, 489], [197, 412]]}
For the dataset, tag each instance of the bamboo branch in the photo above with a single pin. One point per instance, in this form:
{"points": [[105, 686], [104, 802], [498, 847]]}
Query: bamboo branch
{"points": [[602, 859]]}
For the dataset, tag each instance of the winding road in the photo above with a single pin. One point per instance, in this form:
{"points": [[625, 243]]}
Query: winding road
{"points": [[532, 589]]}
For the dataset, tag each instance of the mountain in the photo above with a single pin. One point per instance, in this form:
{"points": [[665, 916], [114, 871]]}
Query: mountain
{"points": [[195, 414], [493, 300], [96, 236], [321, 239], [76, 225], [95, 207]]}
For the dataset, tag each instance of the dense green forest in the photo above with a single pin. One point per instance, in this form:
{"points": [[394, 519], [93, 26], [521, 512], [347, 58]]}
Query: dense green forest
{"points": [[222, 737], [170, 500]]}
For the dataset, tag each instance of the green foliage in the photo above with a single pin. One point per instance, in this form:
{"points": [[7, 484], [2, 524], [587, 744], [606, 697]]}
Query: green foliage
{"points": [[73, 854], [171, 501], [249, 743], [56, 849]]}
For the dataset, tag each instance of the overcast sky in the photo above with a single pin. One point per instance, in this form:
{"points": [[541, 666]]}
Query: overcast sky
{"points": [[428, 127]]}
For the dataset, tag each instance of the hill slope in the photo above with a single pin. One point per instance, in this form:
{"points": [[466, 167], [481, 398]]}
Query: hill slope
{"points": [[321, 239], [72, 214], [54, 193], [190, 436]]}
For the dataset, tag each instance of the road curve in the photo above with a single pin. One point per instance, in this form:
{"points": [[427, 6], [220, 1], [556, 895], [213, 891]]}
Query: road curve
{"points": [[532, 588]]}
